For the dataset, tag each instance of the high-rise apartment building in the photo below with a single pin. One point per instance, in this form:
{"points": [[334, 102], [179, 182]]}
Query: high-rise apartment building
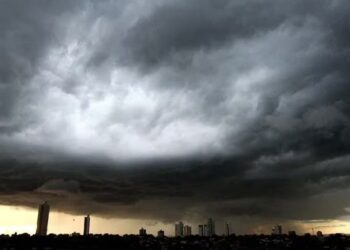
{"points": [[200, 230], [205, 230], [179, 229], [43, 219], [211, 227], [187, 231], [227, 229], [87, 225]]}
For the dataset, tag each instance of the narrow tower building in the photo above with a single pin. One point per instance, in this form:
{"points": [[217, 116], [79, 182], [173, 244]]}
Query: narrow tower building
{"points": [[43, 219], [87, 225]]}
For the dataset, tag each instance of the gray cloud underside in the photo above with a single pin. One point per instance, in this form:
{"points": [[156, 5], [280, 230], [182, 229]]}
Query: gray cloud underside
{"points": [[229, 108]]}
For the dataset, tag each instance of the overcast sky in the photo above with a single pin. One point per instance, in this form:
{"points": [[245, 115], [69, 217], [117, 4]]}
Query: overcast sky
{"points": [[177, 110]]}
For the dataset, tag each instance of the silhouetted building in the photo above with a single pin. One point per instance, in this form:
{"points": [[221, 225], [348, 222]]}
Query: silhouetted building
{"points": [[200, 230], [227, 229], [160, 234], [292, 233], [43, 219], [187, 230], [277, 230], [87, 225], [211, 227], [179, 229], [142, 232], [205, 230]]}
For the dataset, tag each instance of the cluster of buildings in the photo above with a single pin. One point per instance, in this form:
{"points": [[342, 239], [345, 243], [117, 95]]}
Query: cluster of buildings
{"points": [[203, 230], [181, 230], [207, 229]]}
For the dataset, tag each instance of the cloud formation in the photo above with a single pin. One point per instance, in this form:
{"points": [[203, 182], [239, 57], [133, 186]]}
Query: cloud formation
{"points": [[178, 109]]}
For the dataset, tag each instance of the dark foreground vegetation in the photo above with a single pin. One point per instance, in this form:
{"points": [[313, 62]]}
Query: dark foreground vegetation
{"points": [[133, 242]]}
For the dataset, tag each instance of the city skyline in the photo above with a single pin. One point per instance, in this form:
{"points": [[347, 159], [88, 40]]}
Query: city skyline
{"points": [[83, 227], [146, 113]]}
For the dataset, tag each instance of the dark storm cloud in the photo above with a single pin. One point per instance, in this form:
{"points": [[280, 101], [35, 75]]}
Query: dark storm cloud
{"points": [[230, 191], [185, 27], [266, 85], [174, 30], [27, 30]]}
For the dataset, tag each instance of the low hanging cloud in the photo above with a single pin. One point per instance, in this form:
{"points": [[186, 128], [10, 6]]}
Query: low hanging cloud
{"points": [[176, 109]]}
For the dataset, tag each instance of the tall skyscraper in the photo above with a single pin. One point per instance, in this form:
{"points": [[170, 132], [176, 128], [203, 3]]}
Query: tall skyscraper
{"points": [[211, 227], [279, 229], [227, 229], [43, 219], [179, 229], [87, 225], [200, 230], [187, 231], [205, 230]]}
